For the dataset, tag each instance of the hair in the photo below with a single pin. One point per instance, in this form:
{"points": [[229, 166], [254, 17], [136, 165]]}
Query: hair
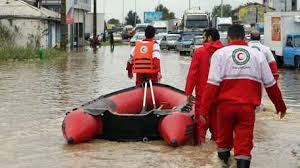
{"points": [[150, 32], [255, 35], [236, 32], [214, 33]]}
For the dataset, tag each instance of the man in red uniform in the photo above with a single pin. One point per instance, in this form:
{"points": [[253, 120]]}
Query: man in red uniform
{"points": [[197, 77], [145, 59], [235, 78]]}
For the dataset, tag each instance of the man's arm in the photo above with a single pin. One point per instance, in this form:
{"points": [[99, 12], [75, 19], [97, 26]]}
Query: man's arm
{"points": [[130, 64], [191, 79], [212, 88], [272, 88], [156, 59], [272, 63]]}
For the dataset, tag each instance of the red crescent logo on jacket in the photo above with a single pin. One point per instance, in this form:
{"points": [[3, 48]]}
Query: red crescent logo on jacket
{"points": [[240, 56], [144, 49]]}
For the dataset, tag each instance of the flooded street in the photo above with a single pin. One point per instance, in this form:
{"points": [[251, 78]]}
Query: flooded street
{"points": [[34, 96]]}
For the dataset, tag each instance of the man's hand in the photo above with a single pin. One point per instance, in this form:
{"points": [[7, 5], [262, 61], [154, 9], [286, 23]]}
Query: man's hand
{"points": [[281, 115], [189, 99], [130, 75], [159, 76]]}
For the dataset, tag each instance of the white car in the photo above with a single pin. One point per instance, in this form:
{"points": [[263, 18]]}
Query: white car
{"points": [[136, 37]]}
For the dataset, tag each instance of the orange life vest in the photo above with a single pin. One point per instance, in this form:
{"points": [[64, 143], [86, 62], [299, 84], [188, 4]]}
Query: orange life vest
{"points": [[143, 59]]}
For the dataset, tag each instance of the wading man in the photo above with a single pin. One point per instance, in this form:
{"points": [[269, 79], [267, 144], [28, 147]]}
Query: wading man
{"points": [[145, 59], [235, 78], [197, 78], [256, 44]]}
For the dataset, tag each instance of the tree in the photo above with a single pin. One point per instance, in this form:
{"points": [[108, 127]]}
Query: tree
{"points": [[166, 14], [114, 21], [227, 10], [130, 18]]}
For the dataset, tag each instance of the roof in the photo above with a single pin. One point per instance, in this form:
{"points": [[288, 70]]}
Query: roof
{"points": [[21, 9], [249, 4]]}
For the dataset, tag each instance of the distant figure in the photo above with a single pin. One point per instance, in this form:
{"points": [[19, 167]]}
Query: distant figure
{"points": [[235, 80], [112, 41], [145, 59], [267, 53], [197, 78]]}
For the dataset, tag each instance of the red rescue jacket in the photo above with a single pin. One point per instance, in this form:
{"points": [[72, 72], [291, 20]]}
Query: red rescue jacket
{"points": [[199, 68]]}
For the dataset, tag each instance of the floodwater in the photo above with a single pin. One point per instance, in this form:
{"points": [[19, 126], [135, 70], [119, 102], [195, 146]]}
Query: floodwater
{"points": [[34, 95]]}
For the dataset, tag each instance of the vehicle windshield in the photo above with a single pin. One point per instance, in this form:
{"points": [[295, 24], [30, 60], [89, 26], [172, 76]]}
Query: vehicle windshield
{"points": [[297, 41], [224, 27], [187, 37], [140, 29], [196, 24], [172, 38], [198, 41], [161, 30]]}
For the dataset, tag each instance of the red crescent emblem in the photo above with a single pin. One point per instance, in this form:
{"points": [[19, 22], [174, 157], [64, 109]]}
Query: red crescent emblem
{"points": [[240, 56]]}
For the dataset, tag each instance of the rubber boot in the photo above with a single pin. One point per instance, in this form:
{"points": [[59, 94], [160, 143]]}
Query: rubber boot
{"points": [[241, 163], [224, 156]]}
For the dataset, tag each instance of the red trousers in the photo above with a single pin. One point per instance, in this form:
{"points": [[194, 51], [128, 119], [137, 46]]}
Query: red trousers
{"points": [[235, 125], [141, 78], [201, 128]]}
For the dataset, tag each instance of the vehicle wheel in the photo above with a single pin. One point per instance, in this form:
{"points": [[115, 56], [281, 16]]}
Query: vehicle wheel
{"points": [[180, 53], [168, 48], [297, 62]]}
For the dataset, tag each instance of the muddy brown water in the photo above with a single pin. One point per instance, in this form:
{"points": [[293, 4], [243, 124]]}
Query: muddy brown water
{"points": [[34, 95]]}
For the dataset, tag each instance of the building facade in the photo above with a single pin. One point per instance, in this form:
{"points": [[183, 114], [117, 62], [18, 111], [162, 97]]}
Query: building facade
{"points": [[30, 26], [284, 5], [251, 13], [77, 29]]}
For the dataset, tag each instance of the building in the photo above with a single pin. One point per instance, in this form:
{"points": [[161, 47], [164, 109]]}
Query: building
{"points": [[31, 26], [77, 29], [284, 5], [250, 13], [89, 29]]}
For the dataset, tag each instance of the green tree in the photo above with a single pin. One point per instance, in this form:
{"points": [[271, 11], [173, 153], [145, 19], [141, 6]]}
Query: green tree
{"points": [[227, 10], [130, 18], [166, 14], [114, 21]]}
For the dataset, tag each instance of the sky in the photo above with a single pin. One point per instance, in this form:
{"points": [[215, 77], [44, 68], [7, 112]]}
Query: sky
{"points": [[114, 8]]}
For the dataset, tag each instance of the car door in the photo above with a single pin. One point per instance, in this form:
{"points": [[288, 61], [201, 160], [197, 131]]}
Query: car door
{"points": [[288, 56], [163, 42]]}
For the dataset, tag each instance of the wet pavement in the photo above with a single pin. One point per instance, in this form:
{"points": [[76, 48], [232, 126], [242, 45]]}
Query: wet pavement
{"points": [[35, 94]]}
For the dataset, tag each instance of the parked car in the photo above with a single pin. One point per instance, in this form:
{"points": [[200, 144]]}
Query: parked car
{"points": [[136, 37], [127, 32], [169, 42], [184, 44], [159, 37], [197, 42]]}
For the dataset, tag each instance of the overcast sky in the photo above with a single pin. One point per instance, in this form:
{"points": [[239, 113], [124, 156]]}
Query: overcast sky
{"points": [[114, 8]]}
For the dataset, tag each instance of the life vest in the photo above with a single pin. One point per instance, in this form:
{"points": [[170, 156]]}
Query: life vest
{"points": [[143, 59]]}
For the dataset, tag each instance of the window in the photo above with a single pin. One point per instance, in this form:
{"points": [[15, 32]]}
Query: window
{"points": [[289, 42]]}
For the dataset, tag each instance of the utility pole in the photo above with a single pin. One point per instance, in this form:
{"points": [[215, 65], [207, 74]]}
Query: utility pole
{"points": [[95, 19], [63, 26], [221, 8], [123, 20], [135, 12], [285, 5], [189, 4]]}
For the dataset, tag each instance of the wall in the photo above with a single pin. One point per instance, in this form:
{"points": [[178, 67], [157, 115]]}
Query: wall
{"points": [[89, 23], [33, 33]]}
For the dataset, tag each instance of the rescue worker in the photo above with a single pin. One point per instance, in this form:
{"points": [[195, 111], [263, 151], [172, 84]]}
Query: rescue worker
{"points": [[197, 78], [235, 79], [255, 43], [145, 59]]}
